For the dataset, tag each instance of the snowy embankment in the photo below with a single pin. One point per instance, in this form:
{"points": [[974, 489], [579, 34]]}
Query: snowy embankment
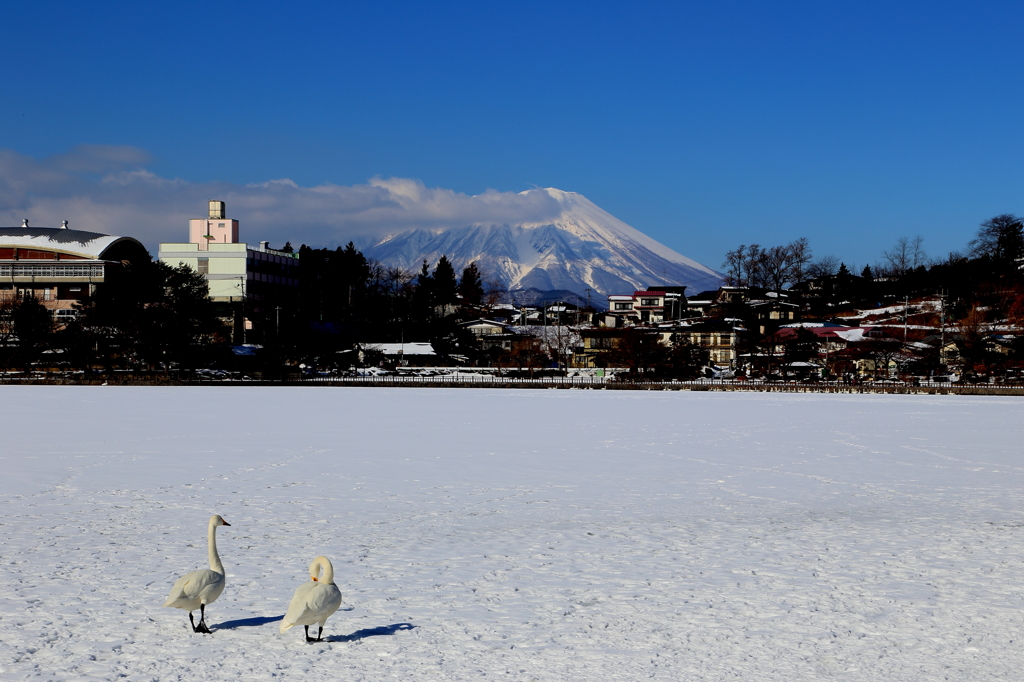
{"points": [[545, 535]]}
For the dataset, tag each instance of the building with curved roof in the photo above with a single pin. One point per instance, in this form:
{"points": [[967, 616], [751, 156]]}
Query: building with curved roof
{"points": [[58, 265]]}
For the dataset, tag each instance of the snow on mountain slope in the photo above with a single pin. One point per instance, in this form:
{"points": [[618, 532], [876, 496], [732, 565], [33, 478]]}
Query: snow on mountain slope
{"points": [[584, 247]]}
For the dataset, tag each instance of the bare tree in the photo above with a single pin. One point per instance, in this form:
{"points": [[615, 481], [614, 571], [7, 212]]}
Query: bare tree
{"points": [[495, 292], [908, 254], [881, 348], [742, 266], [771, 268], [823, 267], [389, 280], [974, 342], [784, 265], [558, 342]]}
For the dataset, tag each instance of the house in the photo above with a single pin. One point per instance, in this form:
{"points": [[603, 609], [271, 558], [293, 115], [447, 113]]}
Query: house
{"points": [[773, 312], [654, 305], [621, 304], [719, 301], [828, 291], [491, 337], [595, 344], [416, 354], [830, 337], [718, 336]]}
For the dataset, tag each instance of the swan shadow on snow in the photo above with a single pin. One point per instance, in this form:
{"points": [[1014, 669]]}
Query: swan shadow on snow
{"points": [[247, 622], [382, 631]]}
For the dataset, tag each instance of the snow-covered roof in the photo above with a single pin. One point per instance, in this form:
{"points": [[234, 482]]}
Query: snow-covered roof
{"points": [[481, 322], [412, 348], [90, 245], [852, 335], [809, 325]]}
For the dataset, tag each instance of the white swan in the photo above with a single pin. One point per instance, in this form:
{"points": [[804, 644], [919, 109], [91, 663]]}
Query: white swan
{"points": [[315, 601], [196, 589]]}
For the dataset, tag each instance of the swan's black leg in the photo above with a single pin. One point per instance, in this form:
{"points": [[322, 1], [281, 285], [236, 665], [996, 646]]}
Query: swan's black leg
{"points": [[202, 620], [308, 638], [320, 634], [192, 620]]}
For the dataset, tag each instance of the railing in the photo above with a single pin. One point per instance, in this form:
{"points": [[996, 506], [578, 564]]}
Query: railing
{"points": [[485, 381], [49, 270], [615, 383]]}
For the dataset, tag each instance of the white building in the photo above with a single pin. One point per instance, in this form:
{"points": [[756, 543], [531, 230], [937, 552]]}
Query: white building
{"points": [[234, 270]]}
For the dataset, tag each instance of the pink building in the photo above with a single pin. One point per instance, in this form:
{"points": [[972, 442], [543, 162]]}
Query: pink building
{"points": [[217, 228]]}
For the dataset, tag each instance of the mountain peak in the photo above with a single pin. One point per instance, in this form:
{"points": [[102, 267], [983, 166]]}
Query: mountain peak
{"points": [[583, 248]]}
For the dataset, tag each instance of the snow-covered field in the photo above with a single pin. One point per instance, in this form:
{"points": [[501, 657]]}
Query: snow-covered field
{"points": [[514, 534]]}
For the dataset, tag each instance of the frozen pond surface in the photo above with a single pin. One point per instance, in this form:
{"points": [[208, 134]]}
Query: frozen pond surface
{"points": [[514, 534]]}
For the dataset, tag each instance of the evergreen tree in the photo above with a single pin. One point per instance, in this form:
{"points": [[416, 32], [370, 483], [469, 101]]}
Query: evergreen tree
{"points": [[147, 315], [424, 292], [470, 286], [33, 325], [802, 347], [866, 273], [685, 359], [445, 285], [640, 351]]}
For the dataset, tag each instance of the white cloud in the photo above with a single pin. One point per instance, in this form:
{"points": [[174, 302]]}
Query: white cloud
{"points": [[108, 189]]}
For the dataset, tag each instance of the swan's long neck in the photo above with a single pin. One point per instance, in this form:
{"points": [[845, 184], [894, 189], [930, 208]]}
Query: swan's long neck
{"points": [[211, 540], [327, 578]]}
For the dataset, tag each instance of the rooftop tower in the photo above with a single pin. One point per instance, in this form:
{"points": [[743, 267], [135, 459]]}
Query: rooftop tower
{"points": [[217, 228]]}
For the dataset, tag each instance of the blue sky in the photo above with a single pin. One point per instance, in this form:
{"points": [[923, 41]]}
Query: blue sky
{"points": [[704, 125]]}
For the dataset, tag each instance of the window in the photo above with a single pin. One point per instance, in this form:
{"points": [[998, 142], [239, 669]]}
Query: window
{"points": [[623, 305], [204, 266], [648, 301]]}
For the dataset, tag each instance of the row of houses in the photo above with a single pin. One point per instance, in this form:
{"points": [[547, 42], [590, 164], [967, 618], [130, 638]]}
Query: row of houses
{"points": [[753, 330]]}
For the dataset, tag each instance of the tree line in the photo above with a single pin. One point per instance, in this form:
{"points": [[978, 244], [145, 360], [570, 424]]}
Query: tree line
{"points": [[992, 258], [153, 317]]}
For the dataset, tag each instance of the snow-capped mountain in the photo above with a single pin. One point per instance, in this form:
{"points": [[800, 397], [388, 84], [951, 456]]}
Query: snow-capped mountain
{"points": [[584, 247]]}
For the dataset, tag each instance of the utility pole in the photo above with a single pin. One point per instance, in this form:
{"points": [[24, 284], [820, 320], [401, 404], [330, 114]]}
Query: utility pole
{"points": [[942, 327], [906, 312]]}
